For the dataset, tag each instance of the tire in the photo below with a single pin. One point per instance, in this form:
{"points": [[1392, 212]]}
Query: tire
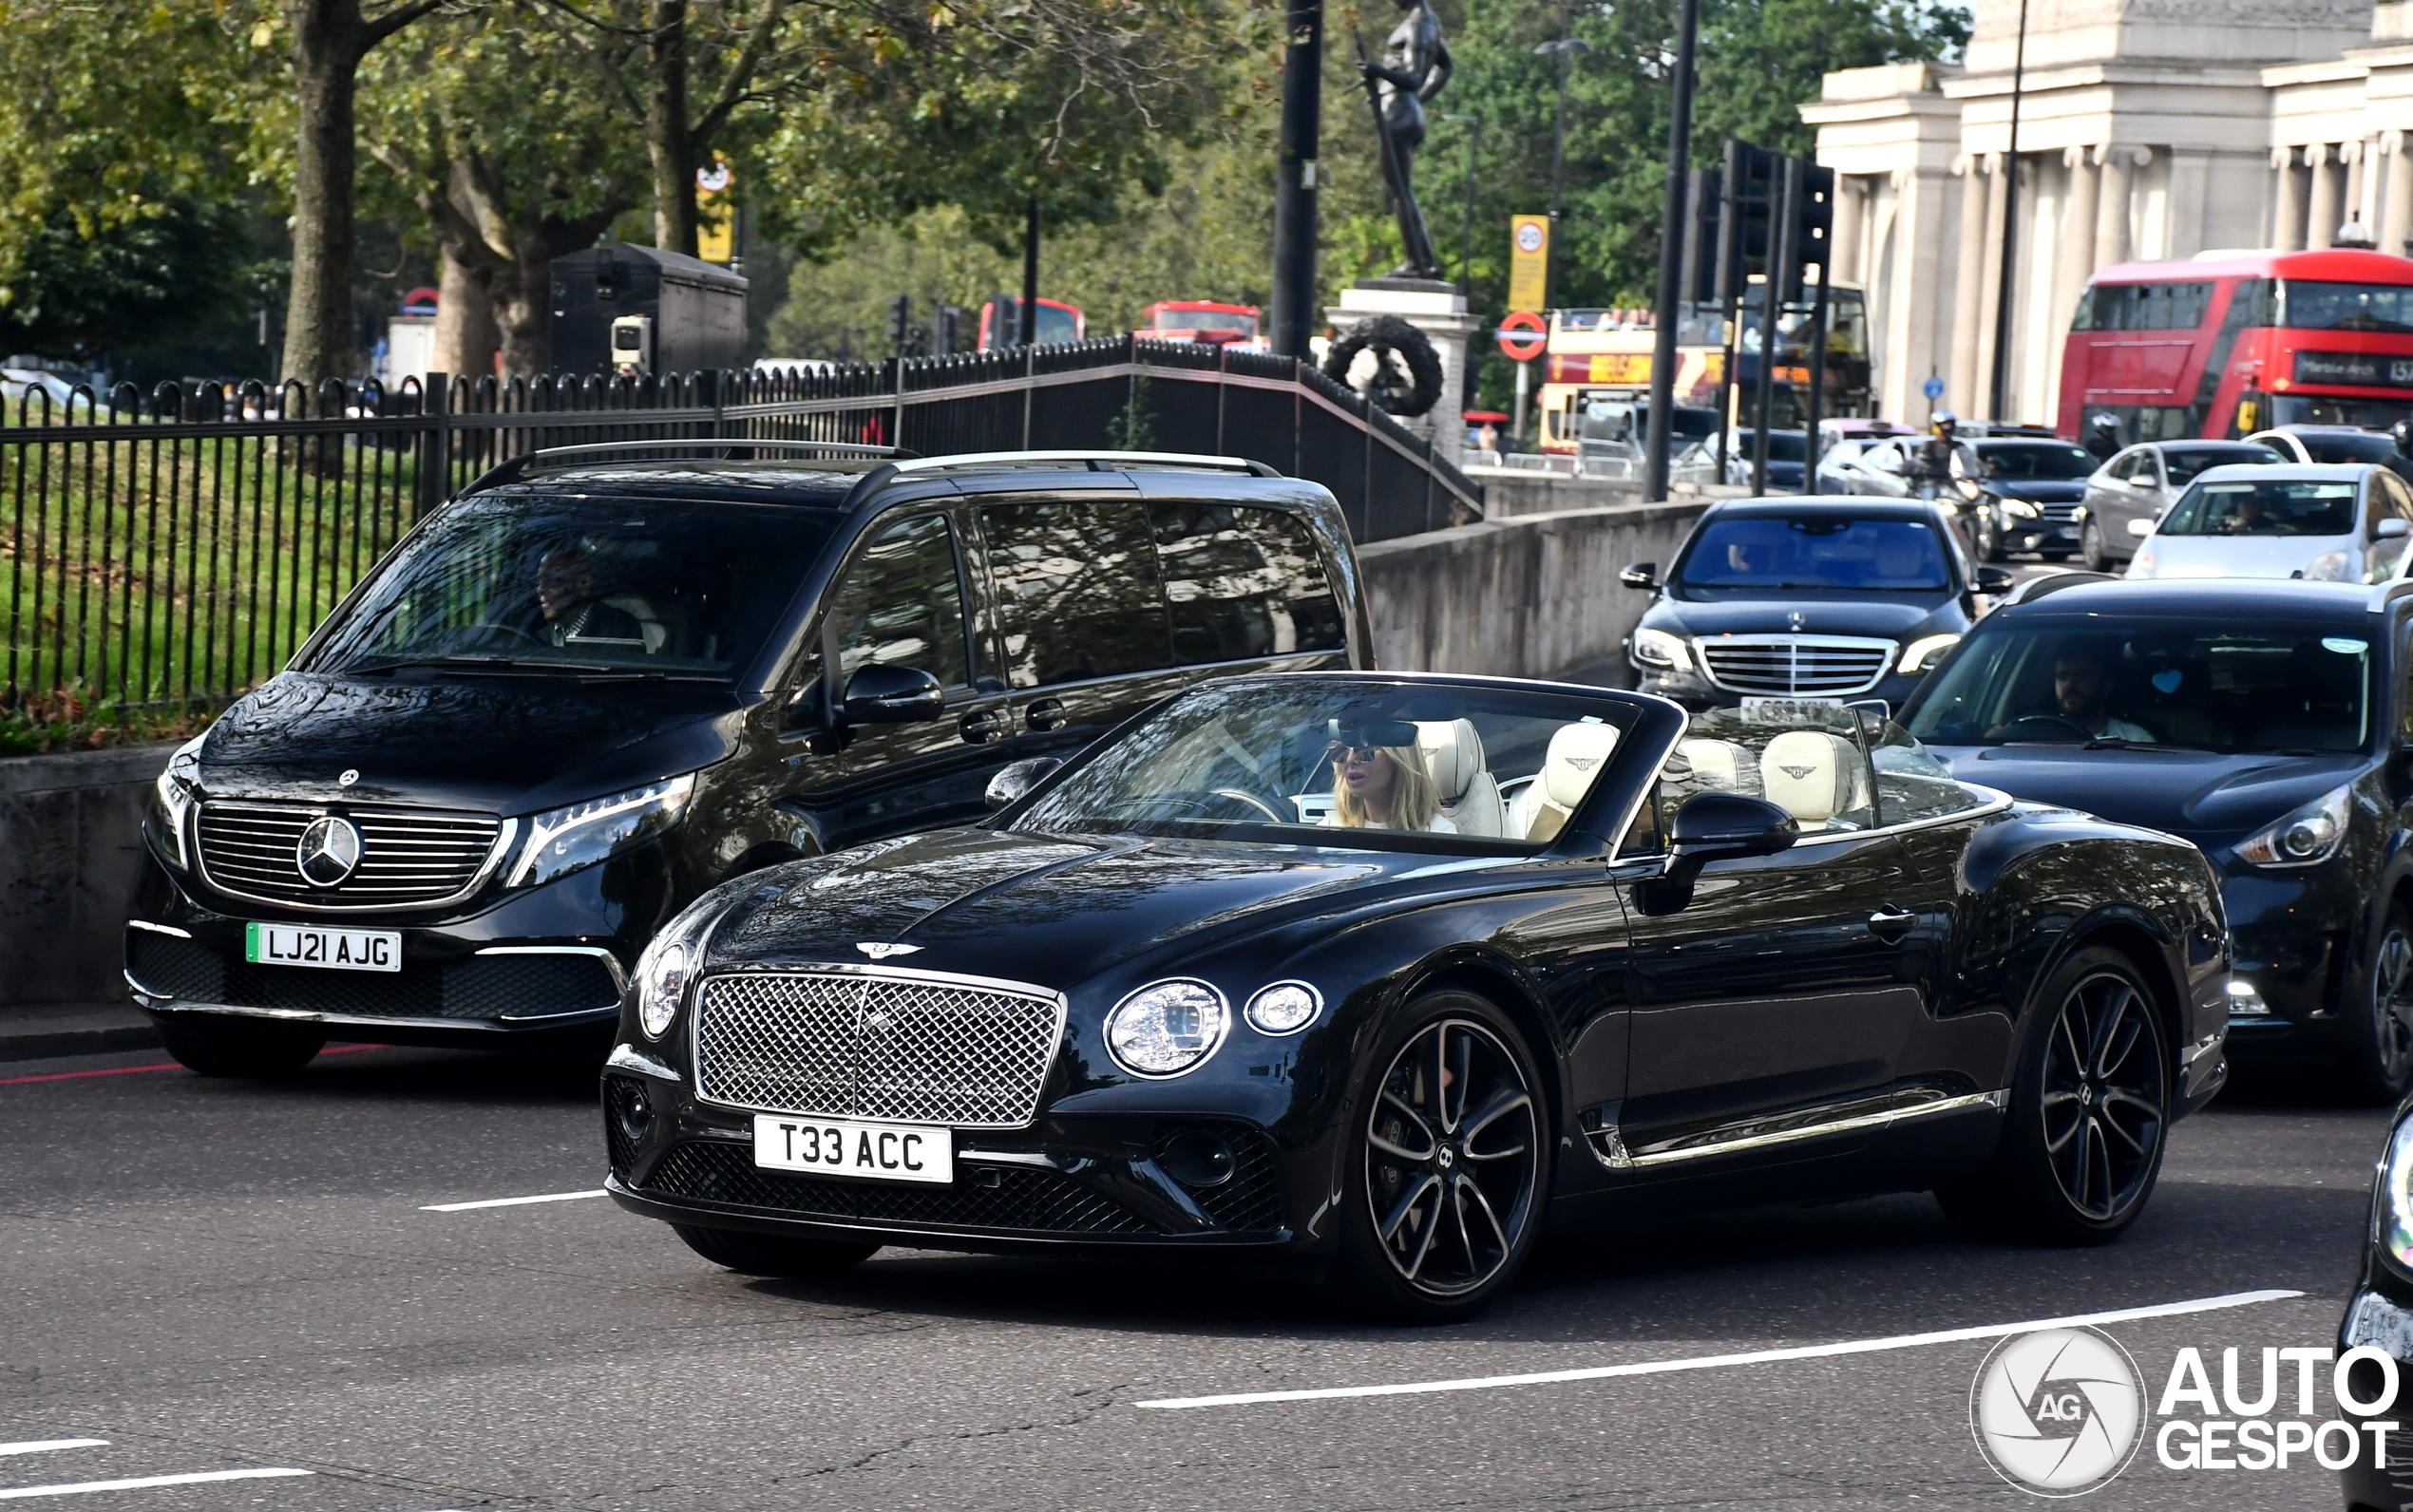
{"points": [[2378, 1068], [772, 1253], [2090, 545], [1989, 535], [1443, 1199], [220, 1046], [2089, 1114]]}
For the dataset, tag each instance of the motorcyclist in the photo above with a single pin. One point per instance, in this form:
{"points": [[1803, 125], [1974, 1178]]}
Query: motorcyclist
{"points": [[1933, 464], [2402, 464], [2102, 436]]}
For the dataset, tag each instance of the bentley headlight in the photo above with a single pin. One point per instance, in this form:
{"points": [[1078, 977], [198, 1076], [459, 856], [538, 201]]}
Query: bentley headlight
{"points": [[2396, 1196], [1925, 652], [1167, 1027], [1285, 1007], [2329, 567], [172, 800], [1656, 648], [2021, 509], [2306, 838], [661, 981], [582, 834]]}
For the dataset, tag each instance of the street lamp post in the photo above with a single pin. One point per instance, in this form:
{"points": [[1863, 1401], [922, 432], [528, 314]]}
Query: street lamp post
{"points": [[2003, 301], [1294, 302], [1466, 235], [1663, 359], [1565, 47]]}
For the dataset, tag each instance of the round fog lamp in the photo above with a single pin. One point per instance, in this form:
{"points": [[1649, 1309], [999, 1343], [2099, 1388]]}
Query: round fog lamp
{"points": [[1167, 1027], [660, 981], [1285, 1007]]}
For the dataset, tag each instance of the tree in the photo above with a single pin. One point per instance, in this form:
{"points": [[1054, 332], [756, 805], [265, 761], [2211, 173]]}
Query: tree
{"points": [[133, 281]]}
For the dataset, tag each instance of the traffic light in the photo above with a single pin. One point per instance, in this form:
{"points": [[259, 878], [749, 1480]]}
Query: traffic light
{"points": [[1747, 218], [1809, 212], [1697, 263], [901, 323], [950, 328]]}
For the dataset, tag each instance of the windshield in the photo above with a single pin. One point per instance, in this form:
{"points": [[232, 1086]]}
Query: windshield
{"points": [[1770, 551], [1345, 761], [2306, 306], [582, 584], [2346, 445], [2055, 460], [2277, 507], [2185, 461], [2271, 687]]}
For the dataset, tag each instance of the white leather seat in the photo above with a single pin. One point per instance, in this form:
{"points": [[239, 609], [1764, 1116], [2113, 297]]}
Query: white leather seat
{"points": [[1719, 765], [1452, 753], [1812, 775], [1578, 754]]}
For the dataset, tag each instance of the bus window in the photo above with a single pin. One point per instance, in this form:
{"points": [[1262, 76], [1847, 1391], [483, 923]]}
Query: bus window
{"points": [[2308, 306]]}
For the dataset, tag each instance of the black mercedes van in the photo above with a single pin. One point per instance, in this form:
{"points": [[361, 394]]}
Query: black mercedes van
{"points": [[591, 687]]}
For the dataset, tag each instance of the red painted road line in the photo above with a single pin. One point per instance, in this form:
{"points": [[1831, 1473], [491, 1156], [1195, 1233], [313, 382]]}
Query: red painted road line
{"points": [[163, 1066]]}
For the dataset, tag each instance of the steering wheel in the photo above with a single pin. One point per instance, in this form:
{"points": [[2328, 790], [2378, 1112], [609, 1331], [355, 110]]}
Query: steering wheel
{"points": [[486, 631], [1204, 802], [2011, 732]]}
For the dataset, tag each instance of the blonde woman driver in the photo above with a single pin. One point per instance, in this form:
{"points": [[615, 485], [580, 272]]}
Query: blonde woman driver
{"points": [[1384, 787]]}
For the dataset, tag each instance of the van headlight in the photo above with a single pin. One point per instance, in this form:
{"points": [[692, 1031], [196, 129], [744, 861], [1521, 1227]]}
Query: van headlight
{"points": [[2329, 567], [579, 835], [1167, 1027], [172, 799], [1658, 649], [2306, 838], [2396, 1197], [1925, 652]]}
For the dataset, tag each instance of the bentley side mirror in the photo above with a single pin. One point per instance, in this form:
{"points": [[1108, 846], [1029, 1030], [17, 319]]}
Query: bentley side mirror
{"points": [[2140, 528], [2390, 529], [1017, 778], [1994, 581], [1641, 575], [879, 694], [1715, 826]]}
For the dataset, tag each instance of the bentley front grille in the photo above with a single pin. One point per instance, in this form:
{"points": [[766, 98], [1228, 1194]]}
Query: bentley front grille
{"points": [[915, 1046], [1792, 665], [406, 856]]}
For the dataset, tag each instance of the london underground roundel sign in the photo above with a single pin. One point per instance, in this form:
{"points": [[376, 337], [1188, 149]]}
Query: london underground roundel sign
{"points": [[1523, 336]]}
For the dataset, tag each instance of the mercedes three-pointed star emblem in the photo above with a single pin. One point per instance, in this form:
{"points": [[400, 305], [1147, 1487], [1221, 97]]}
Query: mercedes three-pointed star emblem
{"points": [[329, 851]]}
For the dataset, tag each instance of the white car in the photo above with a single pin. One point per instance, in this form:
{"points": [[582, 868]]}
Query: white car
{"points": [[2348, 524]]}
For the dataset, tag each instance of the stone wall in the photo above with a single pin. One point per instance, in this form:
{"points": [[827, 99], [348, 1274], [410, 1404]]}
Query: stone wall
{"points": [[70, 846]]}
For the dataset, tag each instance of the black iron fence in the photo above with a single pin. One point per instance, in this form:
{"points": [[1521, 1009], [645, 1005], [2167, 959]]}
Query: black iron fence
{"points": [[175, 547]]}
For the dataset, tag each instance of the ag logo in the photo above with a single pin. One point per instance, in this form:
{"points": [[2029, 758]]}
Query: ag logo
{"points": [[2058, 1412], [329, 850]]}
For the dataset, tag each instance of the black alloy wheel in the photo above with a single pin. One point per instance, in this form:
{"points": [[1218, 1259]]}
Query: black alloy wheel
{"points": [[2381, 1063], [2090, 545], [223, 1045], [1452, 1159], [772, 1254], [2089, 1116]]}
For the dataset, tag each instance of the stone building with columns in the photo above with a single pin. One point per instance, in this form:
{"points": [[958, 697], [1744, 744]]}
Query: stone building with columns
{"points": [[2148, 129]]}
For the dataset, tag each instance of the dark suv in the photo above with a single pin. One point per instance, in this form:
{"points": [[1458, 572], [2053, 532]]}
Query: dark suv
{"points": [[582, 692], [2267, 721]]}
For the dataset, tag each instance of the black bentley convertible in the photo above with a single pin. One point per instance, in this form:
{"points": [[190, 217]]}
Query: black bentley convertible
{"points": [[1390, 973]]}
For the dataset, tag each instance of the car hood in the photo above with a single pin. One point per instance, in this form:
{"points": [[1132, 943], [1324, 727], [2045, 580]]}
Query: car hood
{"points": [[2040, 490], [1887, 615], [502, 744], [2237, 556], [2202, 796], [1048, 910]]}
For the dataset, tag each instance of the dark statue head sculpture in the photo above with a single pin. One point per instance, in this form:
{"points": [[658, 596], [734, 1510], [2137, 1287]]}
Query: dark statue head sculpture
{"points": [[1415, 67]]}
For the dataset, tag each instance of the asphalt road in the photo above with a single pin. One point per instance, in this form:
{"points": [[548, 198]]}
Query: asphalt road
{"points": [[243, 1277]]}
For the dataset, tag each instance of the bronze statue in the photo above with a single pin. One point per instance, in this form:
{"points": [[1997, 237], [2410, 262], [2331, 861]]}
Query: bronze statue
{"points": [[1416, 65]]}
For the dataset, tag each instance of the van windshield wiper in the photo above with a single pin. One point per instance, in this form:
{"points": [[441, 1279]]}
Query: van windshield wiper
{"points": [[457, 662]]}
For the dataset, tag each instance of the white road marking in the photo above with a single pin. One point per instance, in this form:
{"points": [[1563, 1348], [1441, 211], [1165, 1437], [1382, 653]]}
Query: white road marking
{"points": [[45, 1446], [1713, 1362], [19, 1493], [512, 1201]]}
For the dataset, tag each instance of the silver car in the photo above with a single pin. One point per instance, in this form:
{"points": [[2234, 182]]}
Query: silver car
{"points": [[2128, 493], [2348, 524]]}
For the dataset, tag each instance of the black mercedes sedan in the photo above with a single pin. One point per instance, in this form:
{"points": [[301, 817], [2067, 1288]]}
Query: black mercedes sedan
{"points": [[2266, 722], [2378, 1326], [1797, 597], [2029, 490], [1389, 974]]}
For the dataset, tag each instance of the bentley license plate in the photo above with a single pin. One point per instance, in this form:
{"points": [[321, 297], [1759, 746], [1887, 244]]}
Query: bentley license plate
{"points": [[837, 1146], [343, 950]]}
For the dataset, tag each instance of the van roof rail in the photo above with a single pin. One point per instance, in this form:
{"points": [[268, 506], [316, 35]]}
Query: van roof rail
{"points": [[1093, 461], [511, 468]]}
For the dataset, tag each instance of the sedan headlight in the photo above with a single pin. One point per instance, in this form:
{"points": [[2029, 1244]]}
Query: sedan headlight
{"points": [[2143, 566], [2021, 509], [1925, 652], [2396, 1197], [1167, 1027], [1656, 648], [172, 799], [1285, 1007], [2329, 567], [661, 982], [582, 834], [2306, 838]]}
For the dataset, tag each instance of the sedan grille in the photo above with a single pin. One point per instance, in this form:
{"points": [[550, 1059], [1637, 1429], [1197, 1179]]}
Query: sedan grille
{"points": [[1824, 666], [916, 1047], [406, 856], [2059, 514]]}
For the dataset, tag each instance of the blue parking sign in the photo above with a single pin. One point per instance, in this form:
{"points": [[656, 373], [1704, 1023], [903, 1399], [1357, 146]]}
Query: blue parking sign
{"points": [[1934, 387]]}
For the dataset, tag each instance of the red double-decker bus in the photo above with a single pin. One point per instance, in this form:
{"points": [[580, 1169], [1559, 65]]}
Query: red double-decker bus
{"points": [[2235, 342]]}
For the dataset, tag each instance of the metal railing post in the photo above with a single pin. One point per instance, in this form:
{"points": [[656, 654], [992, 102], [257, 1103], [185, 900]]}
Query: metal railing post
{"points": [[1223, 388], [435, 462], [1030, 371]]}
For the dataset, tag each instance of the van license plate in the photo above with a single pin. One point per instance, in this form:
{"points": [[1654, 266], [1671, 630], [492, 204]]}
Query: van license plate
{"points": [[343, 950], [837, 1146]]}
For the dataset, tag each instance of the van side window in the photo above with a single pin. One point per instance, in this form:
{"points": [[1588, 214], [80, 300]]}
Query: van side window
{"points": [[1242, 582], [1078, 593], [901, 604]]}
